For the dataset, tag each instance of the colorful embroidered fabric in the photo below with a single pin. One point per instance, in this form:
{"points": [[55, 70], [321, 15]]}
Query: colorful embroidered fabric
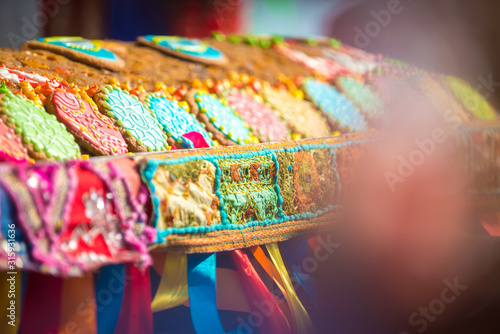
{"points": [[79, 216], [269, 186]]}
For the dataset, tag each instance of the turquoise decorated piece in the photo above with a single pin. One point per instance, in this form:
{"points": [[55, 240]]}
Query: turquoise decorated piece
{"points": [[134, 118], [90, 47], [224, 118], [188, 46], [335, 105], [176, 121], [361, 95]]}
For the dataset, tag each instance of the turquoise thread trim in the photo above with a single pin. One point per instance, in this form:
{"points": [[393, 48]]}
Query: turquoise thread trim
{"points": [[150, 168]]}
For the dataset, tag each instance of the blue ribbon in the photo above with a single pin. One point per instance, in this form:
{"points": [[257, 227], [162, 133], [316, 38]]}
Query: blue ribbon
{"points": [[296, 253], [109, 295], [203, 293]]}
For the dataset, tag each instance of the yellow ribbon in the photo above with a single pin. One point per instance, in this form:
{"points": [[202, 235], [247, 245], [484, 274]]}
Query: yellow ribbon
{"points": [[302, 321], [5, 301], [173, 288], [271, 270]]}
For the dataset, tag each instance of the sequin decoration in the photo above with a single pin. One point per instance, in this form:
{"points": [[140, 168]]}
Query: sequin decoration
{"points": [[39, 128], [176, 121], [335, 105], [135, 118], [362, 96], [84, 118], [224, 118], [257, 115], [300, 115]]}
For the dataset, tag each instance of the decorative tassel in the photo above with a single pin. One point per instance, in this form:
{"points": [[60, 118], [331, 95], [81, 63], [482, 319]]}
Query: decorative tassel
{"points": [[173, 288], [135, 315], [201, 277]]}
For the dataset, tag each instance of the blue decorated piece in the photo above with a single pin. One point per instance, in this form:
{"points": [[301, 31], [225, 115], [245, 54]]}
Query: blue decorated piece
{"points": [[188, 46], [335, 105], [175, 120], [89, 47]]}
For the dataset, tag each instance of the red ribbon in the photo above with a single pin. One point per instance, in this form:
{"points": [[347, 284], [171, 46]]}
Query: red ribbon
{"points": [[260, 300], [136, 315]]}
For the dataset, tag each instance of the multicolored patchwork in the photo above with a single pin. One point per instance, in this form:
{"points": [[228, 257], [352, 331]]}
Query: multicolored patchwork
{"points": [[335, 105], [248, 189]]}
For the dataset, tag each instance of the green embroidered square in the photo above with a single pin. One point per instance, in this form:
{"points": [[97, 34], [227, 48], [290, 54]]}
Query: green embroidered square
{"points": [[248, 189]]}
